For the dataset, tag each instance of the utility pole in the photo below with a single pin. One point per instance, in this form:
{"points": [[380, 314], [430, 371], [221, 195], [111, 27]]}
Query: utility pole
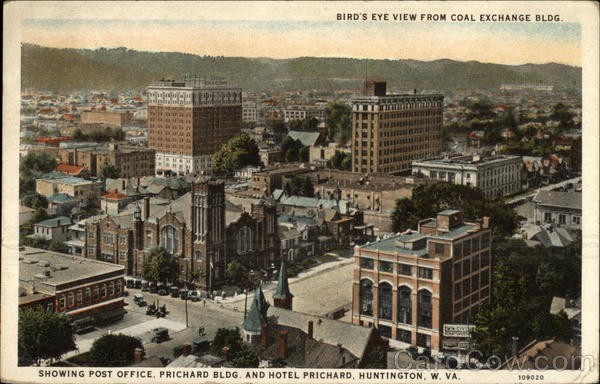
{"points": [[186, 307]]}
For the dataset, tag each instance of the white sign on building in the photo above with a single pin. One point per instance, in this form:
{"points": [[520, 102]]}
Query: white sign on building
{"points": [[458, 330]]}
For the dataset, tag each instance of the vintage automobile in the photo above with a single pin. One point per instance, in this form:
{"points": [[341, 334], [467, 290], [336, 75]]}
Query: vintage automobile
{"points": [[159, 335], [193, 295], [174, 291], [138, 298]]}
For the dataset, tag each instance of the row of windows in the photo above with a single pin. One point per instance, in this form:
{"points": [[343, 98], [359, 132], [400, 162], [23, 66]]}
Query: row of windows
{"points": [[465, 287], [402, 269], [81, 296], [471, 245], [472, 264]]}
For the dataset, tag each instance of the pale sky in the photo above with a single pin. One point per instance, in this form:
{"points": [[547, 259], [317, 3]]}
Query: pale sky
{"points": [[306, 30]]}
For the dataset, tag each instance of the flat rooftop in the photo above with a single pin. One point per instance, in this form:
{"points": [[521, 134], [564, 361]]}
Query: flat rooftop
{"points": [[35, 263], [464, 160]]}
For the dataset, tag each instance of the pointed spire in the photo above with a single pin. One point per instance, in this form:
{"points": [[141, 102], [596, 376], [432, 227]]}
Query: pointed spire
{"points": [[283, 288], [258, 312]]}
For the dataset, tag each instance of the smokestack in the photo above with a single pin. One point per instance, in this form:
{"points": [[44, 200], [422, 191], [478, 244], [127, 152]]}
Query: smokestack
{"points": [[145, 208], [187, 349], [138, 355], [311, 325], [514, 347], [283, 344], [264, 335]]}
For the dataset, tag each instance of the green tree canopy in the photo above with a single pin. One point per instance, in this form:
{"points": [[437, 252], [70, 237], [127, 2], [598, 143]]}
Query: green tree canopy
{"points": [[428, 200], [246, 357], [114, 350], [299, 186], [161, 266], [562, 113], [227, 337], [32, 165], [43, 335], [239, 152], [294, 150], [236, 274], [109, 172], [524, 281], [35, 201], [339, 121], [340, 160]]}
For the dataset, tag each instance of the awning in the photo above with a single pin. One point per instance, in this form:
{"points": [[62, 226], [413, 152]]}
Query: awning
{"points": [[107, 315]]}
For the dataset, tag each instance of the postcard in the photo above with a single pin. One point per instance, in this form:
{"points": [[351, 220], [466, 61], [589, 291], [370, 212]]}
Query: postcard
{"points": [[300, 192]]}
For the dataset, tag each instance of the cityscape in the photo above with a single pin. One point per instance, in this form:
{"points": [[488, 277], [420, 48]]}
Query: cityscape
{"points": [[227, 212]]}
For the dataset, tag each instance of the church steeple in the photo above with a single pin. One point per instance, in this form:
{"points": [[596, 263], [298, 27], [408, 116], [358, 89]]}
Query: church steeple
{"points": [[258, 312], [282, 298]]}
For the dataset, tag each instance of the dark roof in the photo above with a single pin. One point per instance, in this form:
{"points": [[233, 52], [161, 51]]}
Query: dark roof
{"points": [[571, 200], [550, 350], [305, 352], [258, 312], [283, 289]]}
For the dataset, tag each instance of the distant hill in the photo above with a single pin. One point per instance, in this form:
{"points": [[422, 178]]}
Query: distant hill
{"points": [[121, 68]]}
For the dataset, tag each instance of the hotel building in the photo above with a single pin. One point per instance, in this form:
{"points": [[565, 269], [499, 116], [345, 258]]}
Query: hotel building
{"points": [[390, 131], [190, 120], [409, 285]]}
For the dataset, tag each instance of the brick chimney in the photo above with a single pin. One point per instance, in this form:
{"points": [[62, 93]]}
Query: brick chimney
{"points": [[187, 349], [138, 355], [225, 353], [145, 208], [311, 325], [283, 344], [264, 335]]}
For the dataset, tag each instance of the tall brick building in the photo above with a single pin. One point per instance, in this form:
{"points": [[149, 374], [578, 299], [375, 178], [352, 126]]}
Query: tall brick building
{"points": [[389, 131], [411, 284], [189, 120]]}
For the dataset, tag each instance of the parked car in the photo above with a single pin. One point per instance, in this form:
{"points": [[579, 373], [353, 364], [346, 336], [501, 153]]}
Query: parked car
{"points": [[145, 286], [183, 294], [138, 298], [137, 284], [174, 291], [153, 287], [193, 295], [162, 289], [159, 335], [129, 283]]}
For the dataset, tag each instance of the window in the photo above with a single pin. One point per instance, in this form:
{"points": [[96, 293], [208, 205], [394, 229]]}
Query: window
{"points": [[457, 270], [439, 249], [466, 247], [547, 217], [88, 294], [457, 291], [405, 269], [475, 262], [70, 299], [485, 278], [424, 305], [108, 238], [386, 266], [475, 244], [96, 292], [103, 290], [50, 307], [366, 263], [404, 305], [457, 251], [576, 220], [119, 286], [91, 250], [169, 238], [92, 234], [111, 288], [425, 273], [423, 340], [385, 301], [244, 239], [148, 238], [123, 255], [61, 301], [403, 335], [562, 219], [466, 267], [123, 239], [475, 281], [366, 297], [485, 258], [485, 241], [79, 298]]}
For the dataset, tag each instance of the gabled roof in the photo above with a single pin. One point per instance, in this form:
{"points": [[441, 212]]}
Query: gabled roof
{"points": [[69, 169], [570, 199], [306, 138], [55, 222], [283, 289]]}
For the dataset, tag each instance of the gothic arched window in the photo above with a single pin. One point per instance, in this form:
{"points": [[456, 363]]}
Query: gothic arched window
{"points": [[168, 238], [366, 297]]}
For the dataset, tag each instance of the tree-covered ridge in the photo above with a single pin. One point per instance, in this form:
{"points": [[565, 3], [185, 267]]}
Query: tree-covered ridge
{"points": [[121, 68]]}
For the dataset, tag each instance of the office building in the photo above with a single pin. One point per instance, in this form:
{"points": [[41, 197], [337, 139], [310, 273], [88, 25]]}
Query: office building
{"points": [[390, 131], [494, 175], [190, 120], [409, 285]]}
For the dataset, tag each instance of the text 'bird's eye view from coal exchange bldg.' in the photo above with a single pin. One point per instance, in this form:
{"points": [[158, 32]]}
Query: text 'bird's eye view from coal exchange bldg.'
{"points": [[219, 211]]}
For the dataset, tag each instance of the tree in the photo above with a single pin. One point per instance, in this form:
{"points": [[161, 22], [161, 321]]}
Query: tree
{"points": [[236, 274], [38, 215], [340, 160], [239, 152], [339, 121], [298, 186], [246, 357], [295, 124], [310, 124], [114, 350], [43, 335], [279, 130], [35, 201], [109, 172], [58, 246], [294, 150], [161, 266], [37, 162], [227, 337], [562, 114]]}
